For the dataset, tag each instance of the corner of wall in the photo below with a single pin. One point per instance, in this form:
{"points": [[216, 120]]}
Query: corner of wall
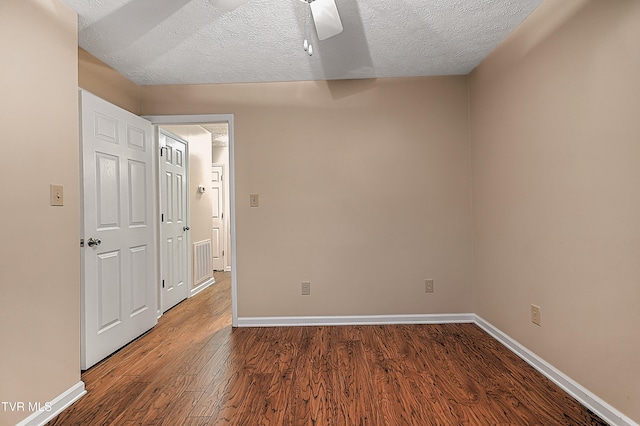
{"points": [[100, 79]]}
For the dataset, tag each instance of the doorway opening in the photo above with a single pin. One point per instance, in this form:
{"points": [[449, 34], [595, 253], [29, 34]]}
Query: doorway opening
{"points": [[211, 193]]}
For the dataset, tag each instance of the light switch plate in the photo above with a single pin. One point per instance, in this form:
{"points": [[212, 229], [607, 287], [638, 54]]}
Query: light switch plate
{"points": [[57, 195], [254, 200]]}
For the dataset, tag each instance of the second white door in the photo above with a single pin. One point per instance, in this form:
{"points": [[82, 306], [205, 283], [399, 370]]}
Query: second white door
{"points": [[217, 222], [174, 217]]}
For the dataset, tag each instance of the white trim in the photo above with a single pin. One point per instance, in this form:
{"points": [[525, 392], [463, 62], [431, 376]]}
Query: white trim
{"points": [[232, 222], [202, 286], [197, 119], [187, 118], [355, 320], [157, 208], [58, 405], [577, 391]]}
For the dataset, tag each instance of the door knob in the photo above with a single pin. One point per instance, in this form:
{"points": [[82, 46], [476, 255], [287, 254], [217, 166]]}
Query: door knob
{"points": [[185, 228], [92, 242]]}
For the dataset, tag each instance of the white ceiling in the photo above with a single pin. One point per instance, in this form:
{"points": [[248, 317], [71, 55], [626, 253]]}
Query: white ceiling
{"points": [[219, 133], [219, 41]]}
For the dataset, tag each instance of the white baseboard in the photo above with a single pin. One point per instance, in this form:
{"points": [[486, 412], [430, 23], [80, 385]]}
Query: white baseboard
{"points": [[354, 320], [202, 286], [581, 394], [58, 405]]}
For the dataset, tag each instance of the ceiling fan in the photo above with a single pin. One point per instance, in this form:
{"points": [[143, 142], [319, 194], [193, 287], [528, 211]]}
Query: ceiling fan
{"points": [[326, 20], [324, 13]]}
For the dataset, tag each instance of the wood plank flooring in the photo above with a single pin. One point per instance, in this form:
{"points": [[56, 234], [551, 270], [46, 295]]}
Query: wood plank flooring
{"points": [[193, 369]]}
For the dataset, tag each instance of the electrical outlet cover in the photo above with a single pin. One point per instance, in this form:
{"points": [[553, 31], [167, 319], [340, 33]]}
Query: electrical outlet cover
{"points": [[428, 286], [535, 314]]}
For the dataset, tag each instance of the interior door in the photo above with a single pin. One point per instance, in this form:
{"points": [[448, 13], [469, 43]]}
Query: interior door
{"points": [[174, 229], [217, 224], [119, 257]]}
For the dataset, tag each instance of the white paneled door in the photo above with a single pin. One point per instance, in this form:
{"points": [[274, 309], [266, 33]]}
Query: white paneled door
{"points": [[173, 214], [119, 259], [217, 223]]}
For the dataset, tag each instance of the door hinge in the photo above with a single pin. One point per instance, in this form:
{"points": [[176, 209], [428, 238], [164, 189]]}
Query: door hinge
{"points": [[222, 253], [162, 217], [162, 283], [82, 242], [161, 151], [222, 215]]}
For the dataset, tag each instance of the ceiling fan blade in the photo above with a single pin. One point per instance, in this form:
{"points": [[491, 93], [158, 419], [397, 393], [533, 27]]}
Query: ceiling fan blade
{"points": [[326, 18]]}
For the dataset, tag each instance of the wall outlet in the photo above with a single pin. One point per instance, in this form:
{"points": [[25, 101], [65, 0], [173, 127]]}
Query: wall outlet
{"points": [[428, 286], [306, 288], [535, 314]]}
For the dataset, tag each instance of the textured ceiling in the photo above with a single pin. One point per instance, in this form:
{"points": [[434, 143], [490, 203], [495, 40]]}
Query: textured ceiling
{"points": [[219, 133], [230, 41]]}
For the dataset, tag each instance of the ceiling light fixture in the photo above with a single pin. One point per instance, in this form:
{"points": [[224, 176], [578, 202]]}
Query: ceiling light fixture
{"points": [[326, 19]]}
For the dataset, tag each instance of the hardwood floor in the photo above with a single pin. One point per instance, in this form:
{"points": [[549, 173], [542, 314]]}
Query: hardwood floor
{"points": [[193, 369]]}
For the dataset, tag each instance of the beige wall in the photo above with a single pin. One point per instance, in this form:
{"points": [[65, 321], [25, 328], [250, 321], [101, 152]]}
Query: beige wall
{"points": [[364, 191], [555, 124], [39, 252], [100, 79], [200, 205]]}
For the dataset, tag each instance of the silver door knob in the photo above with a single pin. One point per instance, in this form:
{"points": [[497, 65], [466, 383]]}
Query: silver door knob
{"points": [[185, 228], [93, 242]]}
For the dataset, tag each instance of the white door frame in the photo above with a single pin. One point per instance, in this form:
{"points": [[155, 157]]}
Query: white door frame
{"points": [[197, 119]]}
